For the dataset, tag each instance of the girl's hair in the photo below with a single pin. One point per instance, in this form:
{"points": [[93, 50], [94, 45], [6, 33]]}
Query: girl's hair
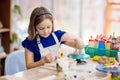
{"points": [[37, 16]]}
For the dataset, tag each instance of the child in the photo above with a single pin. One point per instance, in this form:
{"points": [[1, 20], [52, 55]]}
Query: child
{"points": [[43, 43]]}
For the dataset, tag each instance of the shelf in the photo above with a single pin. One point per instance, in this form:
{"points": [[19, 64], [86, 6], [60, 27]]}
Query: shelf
{"points": [[4, 30], [3, 55]]}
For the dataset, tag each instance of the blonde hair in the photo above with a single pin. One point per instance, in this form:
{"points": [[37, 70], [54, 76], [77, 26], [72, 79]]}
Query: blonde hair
{"points": [[37, 16]]}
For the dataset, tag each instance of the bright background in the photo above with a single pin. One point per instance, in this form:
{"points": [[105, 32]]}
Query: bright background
{"points": [[82, 18]]}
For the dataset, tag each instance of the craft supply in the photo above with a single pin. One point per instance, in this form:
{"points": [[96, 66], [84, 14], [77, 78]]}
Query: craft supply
{"points": [[118, 57], [79, 61], [91, 42], [62, 64], [96, 42]]}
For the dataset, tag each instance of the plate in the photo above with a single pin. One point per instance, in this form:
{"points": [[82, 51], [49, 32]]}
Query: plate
{"points": [[80, 56], [113, 70]]}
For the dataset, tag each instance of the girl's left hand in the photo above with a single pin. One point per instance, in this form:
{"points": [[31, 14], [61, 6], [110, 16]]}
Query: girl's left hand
{"points": [[50, 57]]}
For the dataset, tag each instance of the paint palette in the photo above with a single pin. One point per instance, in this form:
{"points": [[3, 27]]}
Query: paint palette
{"points": [[105, 68]]}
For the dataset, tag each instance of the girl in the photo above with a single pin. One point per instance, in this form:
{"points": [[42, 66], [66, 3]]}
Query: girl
{"points": [[43, 43]]}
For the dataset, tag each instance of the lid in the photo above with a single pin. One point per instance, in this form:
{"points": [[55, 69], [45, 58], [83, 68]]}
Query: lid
{"points": [[108, 41]]}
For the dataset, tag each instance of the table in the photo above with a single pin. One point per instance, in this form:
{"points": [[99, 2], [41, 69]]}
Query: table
{"points": [[44, 72]]}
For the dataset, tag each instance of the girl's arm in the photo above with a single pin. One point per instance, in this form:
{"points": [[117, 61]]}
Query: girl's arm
{"points": [[72, 41], [30, 60]]}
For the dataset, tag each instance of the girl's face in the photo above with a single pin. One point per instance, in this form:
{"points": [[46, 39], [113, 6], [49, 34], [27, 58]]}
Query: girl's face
{"points": [[44, 28]]}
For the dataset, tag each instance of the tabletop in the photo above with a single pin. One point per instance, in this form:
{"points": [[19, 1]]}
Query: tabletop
{"points": [[49, 72]]}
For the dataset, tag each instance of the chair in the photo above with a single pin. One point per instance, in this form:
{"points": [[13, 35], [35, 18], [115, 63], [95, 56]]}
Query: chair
{"points": [[15, 62]]}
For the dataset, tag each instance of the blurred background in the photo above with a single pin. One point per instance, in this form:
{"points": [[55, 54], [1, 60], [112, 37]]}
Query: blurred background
{"points": [[83, 18]]}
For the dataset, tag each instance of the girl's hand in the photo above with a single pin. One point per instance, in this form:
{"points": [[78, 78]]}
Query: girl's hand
{"points": [[50, 57], [76, 53]]}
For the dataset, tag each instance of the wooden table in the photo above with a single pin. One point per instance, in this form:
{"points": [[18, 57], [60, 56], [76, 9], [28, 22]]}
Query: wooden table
{"points": [[42, 72]]}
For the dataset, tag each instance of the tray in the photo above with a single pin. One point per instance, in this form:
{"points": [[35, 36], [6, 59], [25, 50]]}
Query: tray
{"points": [[100, 52]]}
